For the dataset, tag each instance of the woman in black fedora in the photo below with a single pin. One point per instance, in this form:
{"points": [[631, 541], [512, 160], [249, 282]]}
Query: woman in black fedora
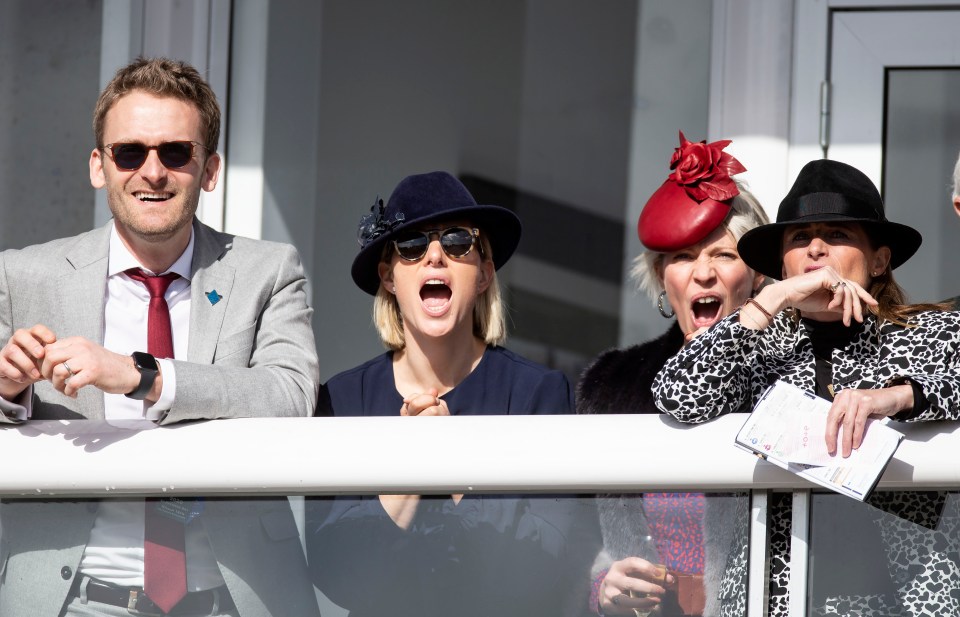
{"points": [[835, 324], [429, 258]]}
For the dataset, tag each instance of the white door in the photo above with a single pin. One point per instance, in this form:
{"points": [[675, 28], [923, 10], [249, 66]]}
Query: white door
{"points": [[894, 84]]}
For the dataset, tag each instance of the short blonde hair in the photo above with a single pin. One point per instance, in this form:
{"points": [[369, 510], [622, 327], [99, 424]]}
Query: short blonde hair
{"points": [[489, 313], [745, 214]]}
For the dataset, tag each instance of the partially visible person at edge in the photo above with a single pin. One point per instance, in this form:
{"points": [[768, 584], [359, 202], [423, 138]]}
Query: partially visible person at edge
{"points": [[154, 318], [835, 324], [691, 270], [430, 258], [955, 199]]}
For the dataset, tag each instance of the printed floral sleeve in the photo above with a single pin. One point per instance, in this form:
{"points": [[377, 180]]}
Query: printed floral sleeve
{"points": [[711, 374]]}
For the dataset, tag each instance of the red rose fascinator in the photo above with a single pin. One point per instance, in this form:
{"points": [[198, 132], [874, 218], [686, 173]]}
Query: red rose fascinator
{"points": [[695, 198]]}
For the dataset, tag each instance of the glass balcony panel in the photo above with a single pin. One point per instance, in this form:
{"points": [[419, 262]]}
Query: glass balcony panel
{"points": [[504, 554], [897, 554]]}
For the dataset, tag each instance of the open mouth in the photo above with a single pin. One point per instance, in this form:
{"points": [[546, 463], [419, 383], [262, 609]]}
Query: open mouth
{"points": [[435, 296], [706, 311], [149, 197]]}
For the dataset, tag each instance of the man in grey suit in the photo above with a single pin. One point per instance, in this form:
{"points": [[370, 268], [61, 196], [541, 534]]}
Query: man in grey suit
{"points": [[79, 316]]}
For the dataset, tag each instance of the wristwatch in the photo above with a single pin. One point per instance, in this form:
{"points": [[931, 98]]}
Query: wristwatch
{"points": [[147, 365]]}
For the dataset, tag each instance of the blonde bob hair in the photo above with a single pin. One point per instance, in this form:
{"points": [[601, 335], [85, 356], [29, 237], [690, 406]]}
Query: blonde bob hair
{"points": [[745, 214], [489, 312]]}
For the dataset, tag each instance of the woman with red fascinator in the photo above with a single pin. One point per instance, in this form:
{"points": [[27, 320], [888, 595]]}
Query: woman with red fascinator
{"points": [[654, 544]]}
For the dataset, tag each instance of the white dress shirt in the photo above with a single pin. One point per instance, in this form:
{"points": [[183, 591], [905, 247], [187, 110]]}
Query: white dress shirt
{"points": [[114, 553]]}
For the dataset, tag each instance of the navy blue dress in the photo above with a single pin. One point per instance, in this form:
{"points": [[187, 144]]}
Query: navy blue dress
{"points": [[486, 555], [502, 383]]}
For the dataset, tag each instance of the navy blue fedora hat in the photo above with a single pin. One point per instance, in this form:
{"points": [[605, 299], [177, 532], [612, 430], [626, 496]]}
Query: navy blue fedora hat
{"points": [[828, 191], [427, 198]]}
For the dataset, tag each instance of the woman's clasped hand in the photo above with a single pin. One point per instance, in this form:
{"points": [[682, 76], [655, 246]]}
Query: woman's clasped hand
{"points": [[424, 404]]}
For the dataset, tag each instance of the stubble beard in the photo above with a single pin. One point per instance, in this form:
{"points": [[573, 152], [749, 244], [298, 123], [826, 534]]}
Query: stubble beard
{"points": [[126, 217]]}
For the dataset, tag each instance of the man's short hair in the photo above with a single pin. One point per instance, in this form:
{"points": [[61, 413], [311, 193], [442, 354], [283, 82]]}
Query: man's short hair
{"points": [[167, 78]]}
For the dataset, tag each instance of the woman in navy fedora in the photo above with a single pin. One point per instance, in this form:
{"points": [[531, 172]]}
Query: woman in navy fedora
{"points": [[430, 258], [835, 324]]}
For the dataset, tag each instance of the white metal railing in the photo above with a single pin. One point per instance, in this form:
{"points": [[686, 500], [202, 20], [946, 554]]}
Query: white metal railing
{"points": [[556, 454], [365, 455]]}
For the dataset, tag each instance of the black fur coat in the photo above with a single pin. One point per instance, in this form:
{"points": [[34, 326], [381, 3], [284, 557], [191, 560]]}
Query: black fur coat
{"points": [[619, 380]]}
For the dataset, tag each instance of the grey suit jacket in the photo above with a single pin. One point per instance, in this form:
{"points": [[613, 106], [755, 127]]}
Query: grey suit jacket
{"points": [[251, 353]]}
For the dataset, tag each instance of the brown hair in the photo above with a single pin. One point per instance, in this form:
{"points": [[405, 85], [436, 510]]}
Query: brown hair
{"points": [[892, 301], [167, 78]]}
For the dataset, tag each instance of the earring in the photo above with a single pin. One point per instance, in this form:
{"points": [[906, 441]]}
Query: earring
{"points": [[663, 294], [393, 290]]}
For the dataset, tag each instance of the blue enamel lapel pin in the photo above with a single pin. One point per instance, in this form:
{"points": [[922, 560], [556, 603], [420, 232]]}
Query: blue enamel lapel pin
{"points": [[213, 296]]}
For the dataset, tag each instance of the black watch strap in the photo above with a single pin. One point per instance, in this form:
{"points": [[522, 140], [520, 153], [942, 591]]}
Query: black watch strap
{"points": [[148, 367]]}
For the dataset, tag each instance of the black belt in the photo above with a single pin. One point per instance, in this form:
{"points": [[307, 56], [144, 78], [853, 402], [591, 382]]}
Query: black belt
{"points": [[134, 599]]}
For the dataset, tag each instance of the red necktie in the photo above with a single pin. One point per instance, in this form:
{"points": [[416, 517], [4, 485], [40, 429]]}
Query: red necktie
{"points": [[164, 561], [159, 333]]}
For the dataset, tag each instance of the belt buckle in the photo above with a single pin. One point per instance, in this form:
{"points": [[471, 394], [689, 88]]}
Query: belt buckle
{"points": [[133, 599]]}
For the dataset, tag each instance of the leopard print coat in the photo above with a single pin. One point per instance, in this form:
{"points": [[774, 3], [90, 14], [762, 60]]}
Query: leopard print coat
{"points": [[728, 368]]}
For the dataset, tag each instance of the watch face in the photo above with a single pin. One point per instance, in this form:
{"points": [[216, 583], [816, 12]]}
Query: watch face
{"points": [[147, 365], [144, 361]]}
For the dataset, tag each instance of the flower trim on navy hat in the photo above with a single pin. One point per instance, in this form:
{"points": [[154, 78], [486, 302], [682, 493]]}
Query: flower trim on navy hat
{"points": [[374, 225]]}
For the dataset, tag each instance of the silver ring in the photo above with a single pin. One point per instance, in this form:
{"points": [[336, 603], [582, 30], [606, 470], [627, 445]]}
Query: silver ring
{"points": [[837, 285], [67, 366]]}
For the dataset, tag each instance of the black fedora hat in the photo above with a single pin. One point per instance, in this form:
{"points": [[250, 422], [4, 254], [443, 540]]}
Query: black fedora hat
{"points": [[825, 191], [426, 198]]}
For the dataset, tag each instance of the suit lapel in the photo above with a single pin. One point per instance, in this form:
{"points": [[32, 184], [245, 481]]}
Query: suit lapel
{"points": [[81, 302], [81, 291], [211, 283]]}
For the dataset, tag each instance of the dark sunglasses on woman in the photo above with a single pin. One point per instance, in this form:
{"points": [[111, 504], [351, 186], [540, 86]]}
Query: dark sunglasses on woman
{"points": [[457, 242]]}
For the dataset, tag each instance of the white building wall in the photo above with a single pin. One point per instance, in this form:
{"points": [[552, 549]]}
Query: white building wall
{"points": [[49, 65]]}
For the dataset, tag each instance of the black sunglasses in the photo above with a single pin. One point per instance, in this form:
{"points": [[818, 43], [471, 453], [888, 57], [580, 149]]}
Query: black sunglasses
{"points": [[131, 156], [457, 242]]}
